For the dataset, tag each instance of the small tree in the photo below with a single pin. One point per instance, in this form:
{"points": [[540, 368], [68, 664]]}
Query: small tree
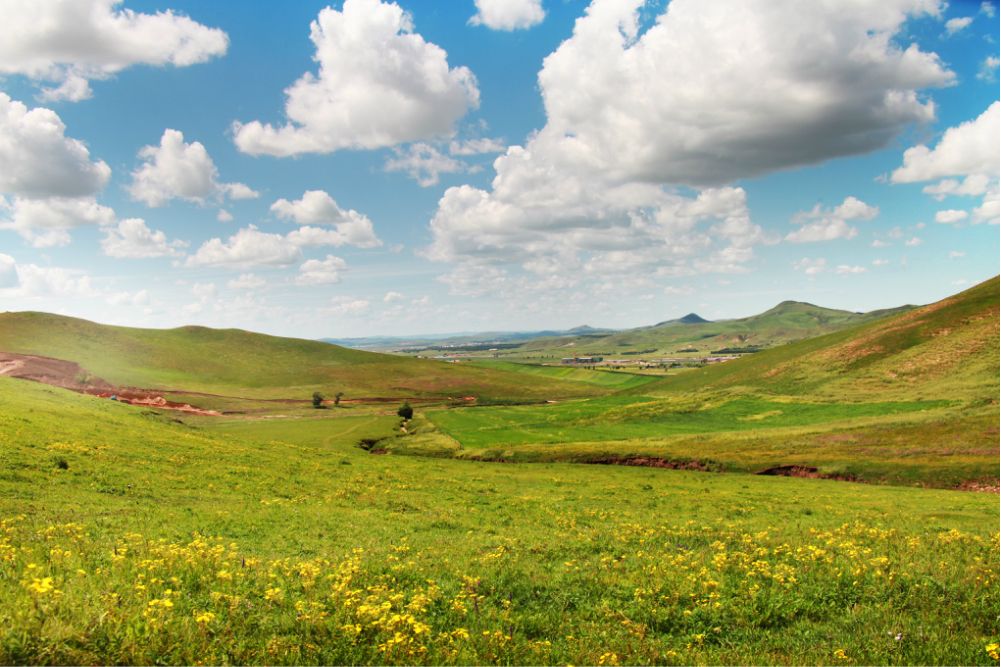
{"points": [[337, 397], [317, 400], [405, 411]]}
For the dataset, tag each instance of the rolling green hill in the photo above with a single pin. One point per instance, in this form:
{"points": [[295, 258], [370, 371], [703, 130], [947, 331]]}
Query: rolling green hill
{"points": [[789, 321], [907, 399], [232, 361], [947, 350]]}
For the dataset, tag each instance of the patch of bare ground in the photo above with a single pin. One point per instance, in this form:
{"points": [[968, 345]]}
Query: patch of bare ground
{"points": [[654, 462], [69, 375], [981, 486], [806, 471]]}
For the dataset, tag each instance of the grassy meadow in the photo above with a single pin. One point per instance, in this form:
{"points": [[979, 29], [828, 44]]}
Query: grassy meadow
{"points": [[282, 534], [129, 536], [240, 364]]}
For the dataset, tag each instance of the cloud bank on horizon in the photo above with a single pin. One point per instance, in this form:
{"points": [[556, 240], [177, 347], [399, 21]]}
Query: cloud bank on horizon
{"points": [[650, 159]]}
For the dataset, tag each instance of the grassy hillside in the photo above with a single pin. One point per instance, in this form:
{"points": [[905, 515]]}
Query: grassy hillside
{"points": [[947, 350], [128, 537], [909, 399], [789, 321], [232, 361]]}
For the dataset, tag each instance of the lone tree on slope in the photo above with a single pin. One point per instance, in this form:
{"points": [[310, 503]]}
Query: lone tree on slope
{"points": [[317, 400], [405, 411]]}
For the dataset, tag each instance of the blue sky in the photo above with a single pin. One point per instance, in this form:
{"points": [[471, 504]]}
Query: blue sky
{"points": [[429, 167]]}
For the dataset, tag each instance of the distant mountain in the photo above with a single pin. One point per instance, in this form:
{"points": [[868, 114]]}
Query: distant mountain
{"points": [[692, 334], [788, 321], [690, 318]]}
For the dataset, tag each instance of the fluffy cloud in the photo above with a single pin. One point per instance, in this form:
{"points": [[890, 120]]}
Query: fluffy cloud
{"points": [[379, 84], [811, 267], [479, 146], [321, 271], [844, 269], [424, 163], [346, 305], [752, 87], [33, 281], [69, 42], [37, 159], [251, 247], [248, 247], [8, 271], [131, 238], [46, 222], [392, 296], [316, 207], [176, 169], [972, 151], [950, 216], [820, 224], [988, 68], [508, 14], [968, 149], [138, 298], [952, 26]]}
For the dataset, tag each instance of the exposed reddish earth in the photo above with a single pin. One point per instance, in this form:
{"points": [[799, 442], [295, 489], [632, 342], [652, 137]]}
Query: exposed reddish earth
{"points": [[69, 375]]}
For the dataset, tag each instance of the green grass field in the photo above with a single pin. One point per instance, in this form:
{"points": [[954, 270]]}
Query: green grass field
{"points": [[242, 364], [131, 537], [628, 418], [280, 534], [909, 399]]}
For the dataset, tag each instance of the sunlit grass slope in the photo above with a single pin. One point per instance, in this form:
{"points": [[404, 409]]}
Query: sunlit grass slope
{"points": [[127, 537], [910, 399], [231, 361], [948, 349]]}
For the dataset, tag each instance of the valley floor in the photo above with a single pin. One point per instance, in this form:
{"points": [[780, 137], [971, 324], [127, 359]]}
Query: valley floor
{"points": [[134, 536]]}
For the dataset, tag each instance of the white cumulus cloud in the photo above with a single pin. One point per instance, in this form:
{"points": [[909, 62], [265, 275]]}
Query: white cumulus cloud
{"points": [[970, 150], [811, 267], [69, 42], [346, 305], [37, 159], [950, 216], [424, 163], [316, 207], [508, 14], [379, 84], [248, 247], [176, 169], [819, 224], [132, 239], [709, 93], [321, 271], [46, 222], [952, 26]]}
